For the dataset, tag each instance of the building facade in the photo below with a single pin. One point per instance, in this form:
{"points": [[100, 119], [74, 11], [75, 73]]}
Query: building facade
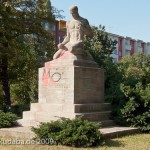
{"points": [[128, 46]]}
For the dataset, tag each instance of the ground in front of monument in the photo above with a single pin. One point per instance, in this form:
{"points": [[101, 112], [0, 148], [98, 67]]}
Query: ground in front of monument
{"points": [[130, 142]]}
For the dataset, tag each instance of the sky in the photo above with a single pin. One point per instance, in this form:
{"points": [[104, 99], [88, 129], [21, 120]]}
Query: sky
{"points": [[129, 18]]}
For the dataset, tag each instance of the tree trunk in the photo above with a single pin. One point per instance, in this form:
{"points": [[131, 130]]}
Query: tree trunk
{"points": [[5, 80]]}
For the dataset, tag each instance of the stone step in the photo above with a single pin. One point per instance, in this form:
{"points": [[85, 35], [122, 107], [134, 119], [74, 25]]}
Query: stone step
{"points": [[107, 123], [95, 107], [46, 116], [95, 116], [116, 131], [27, 123], [29, 115], [25, 132], [40, 107], [41, 116], [31, 123], [76, 108]]}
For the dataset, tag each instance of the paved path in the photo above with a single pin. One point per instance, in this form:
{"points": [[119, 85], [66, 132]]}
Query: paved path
{"points": [[25, 132]]}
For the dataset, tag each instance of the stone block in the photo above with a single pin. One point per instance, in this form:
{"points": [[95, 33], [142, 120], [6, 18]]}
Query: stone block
{"points": [[92, 107], [29, 115], [71, 84], [95, 116]]}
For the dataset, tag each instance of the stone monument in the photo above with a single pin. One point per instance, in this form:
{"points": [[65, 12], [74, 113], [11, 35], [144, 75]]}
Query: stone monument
{"points": [[72, 84]]}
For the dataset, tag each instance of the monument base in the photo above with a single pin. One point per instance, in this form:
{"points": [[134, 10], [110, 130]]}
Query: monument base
{"points": [[43, 112], [69, 87]]}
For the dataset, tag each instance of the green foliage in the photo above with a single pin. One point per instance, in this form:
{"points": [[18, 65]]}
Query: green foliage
{"points": [[25, 44], [136, 110], [7, 119], [113, 77], [100, 45], [75, 132], [134, 107]]}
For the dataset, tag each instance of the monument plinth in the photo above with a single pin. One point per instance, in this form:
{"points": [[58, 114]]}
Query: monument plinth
{"points": [[68, 80]]}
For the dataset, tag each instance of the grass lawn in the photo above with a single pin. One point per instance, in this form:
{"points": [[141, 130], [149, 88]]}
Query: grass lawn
{"points": [[131, 142]]}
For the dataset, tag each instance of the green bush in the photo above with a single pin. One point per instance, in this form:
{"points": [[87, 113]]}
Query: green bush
{"points": [[132, 105], [7, 119], [75, 132], [136, 110]]}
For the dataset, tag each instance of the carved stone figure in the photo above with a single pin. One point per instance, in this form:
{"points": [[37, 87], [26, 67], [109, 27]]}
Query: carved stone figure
{"points": [[77, 27]]}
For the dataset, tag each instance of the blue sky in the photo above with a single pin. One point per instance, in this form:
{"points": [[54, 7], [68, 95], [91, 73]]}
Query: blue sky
{"points": [[123, 17]]}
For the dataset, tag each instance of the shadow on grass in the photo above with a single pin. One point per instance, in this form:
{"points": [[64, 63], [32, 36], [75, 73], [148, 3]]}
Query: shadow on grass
{"points": [[113, 143], [108, 143]]}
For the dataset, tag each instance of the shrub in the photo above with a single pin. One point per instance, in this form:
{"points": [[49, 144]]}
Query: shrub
{"points": [[75, 132], [133, 109], [7, 119], [136, 110]]}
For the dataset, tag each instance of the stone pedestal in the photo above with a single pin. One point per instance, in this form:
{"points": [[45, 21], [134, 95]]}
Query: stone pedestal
{"points": [[69, 86]]}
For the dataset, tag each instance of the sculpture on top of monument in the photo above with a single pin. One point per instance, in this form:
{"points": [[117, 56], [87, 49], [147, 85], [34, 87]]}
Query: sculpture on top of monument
{"points": [[77, 27]]}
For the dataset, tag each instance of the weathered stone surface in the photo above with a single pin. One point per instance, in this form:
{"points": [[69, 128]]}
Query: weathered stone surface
{"points": [[75, 108], [72, 84]]}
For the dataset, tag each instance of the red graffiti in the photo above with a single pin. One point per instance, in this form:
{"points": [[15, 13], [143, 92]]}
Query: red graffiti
{"points": [[47, 78]]}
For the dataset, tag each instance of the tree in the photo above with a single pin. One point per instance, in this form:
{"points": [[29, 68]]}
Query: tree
{"points": [[100, 45], [134, 107], [24, 42]]}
